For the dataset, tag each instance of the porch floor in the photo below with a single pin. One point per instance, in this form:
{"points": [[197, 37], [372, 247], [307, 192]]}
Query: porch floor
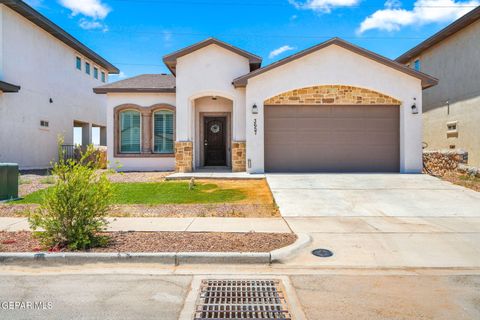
{"points": [[205, 173]]}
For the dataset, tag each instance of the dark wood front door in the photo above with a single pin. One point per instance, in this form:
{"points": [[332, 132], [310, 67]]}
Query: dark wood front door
{"points": [[215, 141]]}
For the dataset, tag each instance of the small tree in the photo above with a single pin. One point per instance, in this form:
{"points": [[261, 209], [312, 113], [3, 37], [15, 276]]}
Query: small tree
{"points": [[74, 209]]}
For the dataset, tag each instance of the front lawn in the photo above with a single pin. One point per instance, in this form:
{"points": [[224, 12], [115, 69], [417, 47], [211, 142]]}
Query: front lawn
{"points": [[161, 193]]}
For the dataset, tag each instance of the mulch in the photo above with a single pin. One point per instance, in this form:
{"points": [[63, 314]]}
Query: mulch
{"points": [[164, 242]]}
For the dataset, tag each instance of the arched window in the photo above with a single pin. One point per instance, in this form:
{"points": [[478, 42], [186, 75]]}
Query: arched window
{"points": [[130, 131], [163, 131]]}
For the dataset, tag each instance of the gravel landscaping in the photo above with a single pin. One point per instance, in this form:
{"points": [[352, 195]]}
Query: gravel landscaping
{"points": [[463, 180], [165, 242]]}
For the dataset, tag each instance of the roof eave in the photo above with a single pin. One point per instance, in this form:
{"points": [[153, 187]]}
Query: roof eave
{"points": [[56, 31], [427, 81], [6, 87], [133, 90], [170, 60], [446, 32]]}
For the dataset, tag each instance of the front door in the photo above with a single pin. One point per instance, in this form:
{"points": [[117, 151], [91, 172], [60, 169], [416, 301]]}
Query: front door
{"points": [[215, 141]]}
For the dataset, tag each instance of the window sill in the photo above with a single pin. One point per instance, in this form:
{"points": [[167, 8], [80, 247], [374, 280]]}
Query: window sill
{"points": [[144, 155]]}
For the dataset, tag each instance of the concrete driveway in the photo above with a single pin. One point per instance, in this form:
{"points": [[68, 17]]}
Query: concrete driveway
{"points": [[371, 195], [381, 220]]}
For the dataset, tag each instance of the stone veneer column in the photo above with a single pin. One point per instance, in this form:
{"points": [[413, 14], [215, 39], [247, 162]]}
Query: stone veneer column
{"points": [[183, 156], [239, 156]]}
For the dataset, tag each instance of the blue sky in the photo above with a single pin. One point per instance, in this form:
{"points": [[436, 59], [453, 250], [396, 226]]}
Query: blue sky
{"points": [[135, 34]]}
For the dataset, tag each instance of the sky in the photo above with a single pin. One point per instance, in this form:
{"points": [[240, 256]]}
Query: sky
{"points": [[135, 34]]}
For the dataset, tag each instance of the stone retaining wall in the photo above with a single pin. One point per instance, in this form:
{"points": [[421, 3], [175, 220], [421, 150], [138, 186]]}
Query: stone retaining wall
{"points": [[442, 162]]}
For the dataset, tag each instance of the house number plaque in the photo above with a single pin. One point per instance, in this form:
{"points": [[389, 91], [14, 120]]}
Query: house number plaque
{"points": [[255, 129]]}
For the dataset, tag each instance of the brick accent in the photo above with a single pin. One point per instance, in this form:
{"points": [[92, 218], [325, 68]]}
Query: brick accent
{"points": [[332, 94], [239, 156], [184, 156]]}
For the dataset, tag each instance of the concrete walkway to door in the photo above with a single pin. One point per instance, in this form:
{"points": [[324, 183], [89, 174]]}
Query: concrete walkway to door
{"points": [[381, 220]]}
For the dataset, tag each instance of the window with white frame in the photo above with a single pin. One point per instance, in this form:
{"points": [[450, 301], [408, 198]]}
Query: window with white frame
{"points": [[87, 68], [78, 62]]}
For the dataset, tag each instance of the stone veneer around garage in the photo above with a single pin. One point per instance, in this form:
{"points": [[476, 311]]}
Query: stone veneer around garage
{"points": [[183, 156], [332, 94], [239, 156]]}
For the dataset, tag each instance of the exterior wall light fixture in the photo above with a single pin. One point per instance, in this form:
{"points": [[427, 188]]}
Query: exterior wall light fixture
{"points": [[254, 109], [414, 106]]}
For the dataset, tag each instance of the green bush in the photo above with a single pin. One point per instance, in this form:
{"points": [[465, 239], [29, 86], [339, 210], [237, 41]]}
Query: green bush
{"points": [[74, 209]]}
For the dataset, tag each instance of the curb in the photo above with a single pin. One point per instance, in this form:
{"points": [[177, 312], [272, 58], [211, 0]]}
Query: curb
{"points": [[279, 255], [169, 258]]}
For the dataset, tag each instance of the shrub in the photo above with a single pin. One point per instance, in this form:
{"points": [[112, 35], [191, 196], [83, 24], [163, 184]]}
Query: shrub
{"points": [[74, 209]]}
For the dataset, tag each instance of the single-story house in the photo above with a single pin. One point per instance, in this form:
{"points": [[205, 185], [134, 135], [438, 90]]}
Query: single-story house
{"points": [[334, 107]]}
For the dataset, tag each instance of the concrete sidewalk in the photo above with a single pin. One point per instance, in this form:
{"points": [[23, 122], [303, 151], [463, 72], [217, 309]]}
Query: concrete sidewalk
{"points": [[270, 225]]}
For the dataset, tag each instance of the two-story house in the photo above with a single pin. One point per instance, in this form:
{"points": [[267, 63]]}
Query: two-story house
{"points": [[46, 81], [451, 110]]}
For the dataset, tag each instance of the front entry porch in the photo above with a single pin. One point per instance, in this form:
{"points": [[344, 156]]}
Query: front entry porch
{"points": [[213, 148]]}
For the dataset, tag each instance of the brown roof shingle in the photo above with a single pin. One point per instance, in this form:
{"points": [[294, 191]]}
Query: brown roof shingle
{"points": [[142, 83]]}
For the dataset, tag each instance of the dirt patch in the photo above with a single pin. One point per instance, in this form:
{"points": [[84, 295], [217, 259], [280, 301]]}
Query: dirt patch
{"points": [[165, 242], [167, 210], [123, 177], [197, 210], [463, 180]]}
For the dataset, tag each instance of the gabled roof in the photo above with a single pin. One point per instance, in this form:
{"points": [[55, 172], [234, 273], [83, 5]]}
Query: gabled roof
{"points": [[446, 32], [157, 83], [8, 87], [43, 22], [171, 59], [427, 81]]}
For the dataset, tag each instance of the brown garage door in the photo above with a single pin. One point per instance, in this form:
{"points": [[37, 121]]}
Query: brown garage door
{"points": [[332, 138]]}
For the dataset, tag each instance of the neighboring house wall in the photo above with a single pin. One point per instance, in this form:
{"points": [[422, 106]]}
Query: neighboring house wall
{"points": [[455, 62], [337, 66], [204, 73], [45, 69], [136, 162]]}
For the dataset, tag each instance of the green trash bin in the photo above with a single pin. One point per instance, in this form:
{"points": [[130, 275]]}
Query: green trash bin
{"points": [[8, 181]]}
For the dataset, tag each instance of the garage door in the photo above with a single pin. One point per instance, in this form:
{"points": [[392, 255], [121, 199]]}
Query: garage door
{"points": [[332, 138]]}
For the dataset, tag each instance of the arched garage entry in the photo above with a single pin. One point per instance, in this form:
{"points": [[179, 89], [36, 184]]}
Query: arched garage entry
{"points": [[332, 128]]}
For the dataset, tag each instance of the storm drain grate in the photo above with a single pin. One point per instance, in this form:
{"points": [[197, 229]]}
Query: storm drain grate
{"points": [[241, 299]]}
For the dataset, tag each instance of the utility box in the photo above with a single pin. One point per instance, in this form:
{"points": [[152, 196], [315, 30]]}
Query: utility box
{"points": [[8, 181]]}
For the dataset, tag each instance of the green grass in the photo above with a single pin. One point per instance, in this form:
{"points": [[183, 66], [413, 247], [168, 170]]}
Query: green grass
{"points": [[160, 193], [48, 180]]}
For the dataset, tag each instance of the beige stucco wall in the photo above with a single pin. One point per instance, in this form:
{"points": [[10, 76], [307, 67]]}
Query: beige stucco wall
{"points": [[136, 163], [45, 68], [335, 65], [455, 62], [209, 72]]}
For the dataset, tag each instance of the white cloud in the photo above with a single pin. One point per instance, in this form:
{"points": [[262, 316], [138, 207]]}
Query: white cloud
{"points": [[280, 50], [119, 76], [393, 18], [94, 9], [92, 24], [324, 6]]}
